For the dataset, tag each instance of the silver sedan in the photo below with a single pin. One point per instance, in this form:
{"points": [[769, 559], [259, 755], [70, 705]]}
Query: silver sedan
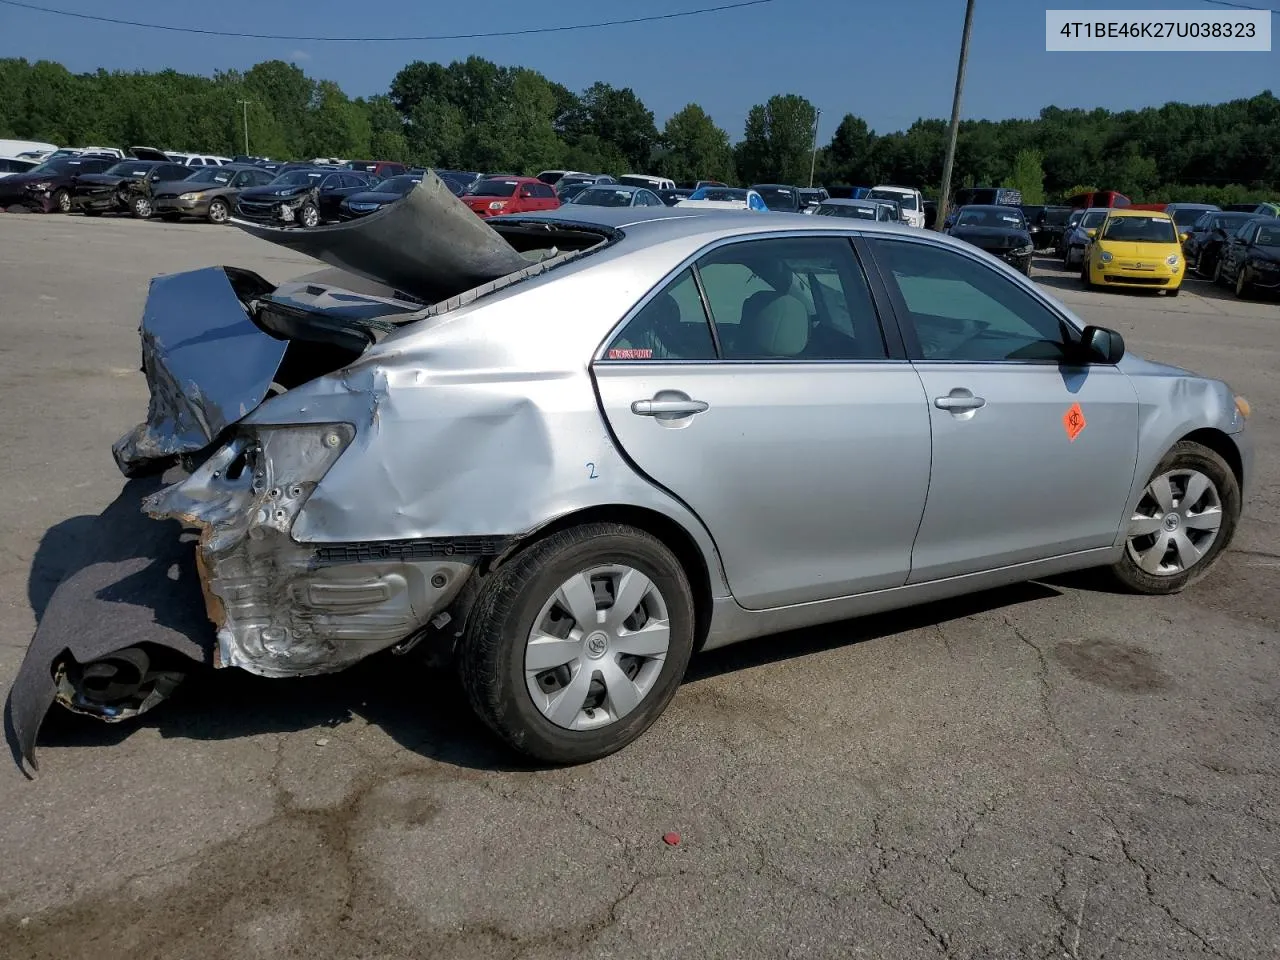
{"points": [[572, 449]]}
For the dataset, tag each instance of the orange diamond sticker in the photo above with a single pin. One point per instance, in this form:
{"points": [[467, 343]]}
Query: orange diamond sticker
{"points": [[1073, 421]]}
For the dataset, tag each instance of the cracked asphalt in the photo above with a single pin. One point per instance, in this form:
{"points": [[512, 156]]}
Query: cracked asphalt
{"points": [[1046, 771]]}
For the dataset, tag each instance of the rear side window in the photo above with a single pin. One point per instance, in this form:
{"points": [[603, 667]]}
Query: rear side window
{"points": [[671, 326]]}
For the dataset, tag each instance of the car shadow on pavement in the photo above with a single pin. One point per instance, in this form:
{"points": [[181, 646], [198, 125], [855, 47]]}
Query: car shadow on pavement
{"points": [[801, 643], [421, 707]]}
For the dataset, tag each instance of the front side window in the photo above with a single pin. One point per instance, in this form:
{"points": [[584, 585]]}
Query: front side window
{"points": [[961, 309]]}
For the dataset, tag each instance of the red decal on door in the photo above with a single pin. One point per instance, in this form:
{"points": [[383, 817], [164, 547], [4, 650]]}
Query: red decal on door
{"points": [[1073, 421], [637, 353]]}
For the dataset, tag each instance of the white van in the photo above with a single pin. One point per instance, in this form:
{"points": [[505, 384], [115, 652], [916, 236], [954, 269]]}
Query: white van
{"points": [[644, 180], [16, 148], [909, 199]]}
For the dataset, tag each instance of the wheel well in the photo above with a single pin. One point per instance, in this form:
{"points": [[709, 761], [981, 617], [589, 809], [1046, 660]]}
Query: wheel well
{"points": [[671, 533], [1223, 446]]}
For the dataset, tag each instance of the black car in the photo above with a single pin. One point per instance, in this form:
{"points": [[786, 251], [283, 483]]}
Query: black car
{"points": [[386, 191], [307, 197], [1203, 245], [1240, 207], [124, 188], [779, 197], [1046, 224], [1250, 260], [1000, 231], [812, 197], [672, 197]]}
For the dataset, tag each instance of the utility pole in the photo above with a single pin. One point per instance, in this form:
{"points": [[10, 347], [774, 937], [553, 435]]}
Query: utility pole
{"points": [[944, 196], [813, 159], [245, 104]]}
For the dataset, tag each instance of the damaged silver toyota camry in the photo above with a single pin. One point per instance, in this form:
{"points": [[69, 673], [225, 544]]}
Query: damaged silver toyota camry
{"points": [[571, 449]]}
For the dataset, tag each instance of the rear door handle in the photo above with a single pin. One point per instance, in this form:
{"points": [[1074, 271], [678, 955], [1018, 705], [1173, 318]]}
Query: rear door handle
{"points": [[959, 400], [654, 408]]}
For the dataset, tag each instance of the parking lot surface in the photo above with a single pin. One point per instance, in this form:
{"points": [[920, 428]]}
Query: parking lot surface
{"points": [[1049, 770]]}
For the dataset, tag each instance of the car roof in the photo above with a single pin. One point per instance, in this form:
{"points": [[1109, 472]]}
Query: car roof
{"points": [[774, 186], [850, 202], [989, 206], [1126, 212], [627, 187]]}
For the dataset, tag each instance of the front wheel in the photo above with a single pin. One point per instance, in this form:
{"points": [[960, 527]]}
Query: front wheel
{"points": [[1243, 288], [62, 201], [1185, 518], [1086, 280], [1217, 272], [1173, 291], [140, 207], [309, 215], [91, 212], [218, 210], [578, 644]]}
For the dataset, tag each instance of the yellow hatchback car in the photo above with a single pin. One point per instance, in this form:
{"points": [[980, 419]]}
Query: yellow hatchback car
{"points": [[1135, 248]]}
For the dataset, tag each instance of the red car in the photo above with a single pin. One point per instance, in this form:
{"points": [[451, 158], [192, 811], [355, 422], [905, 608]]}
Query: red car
{"points": [[495, 196]]}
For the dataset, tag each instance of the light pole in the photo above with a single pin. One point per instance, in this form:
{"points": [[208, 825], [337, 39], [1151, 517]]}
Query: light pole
{"points": [[955, 120], [813, 159], [245, 104]]}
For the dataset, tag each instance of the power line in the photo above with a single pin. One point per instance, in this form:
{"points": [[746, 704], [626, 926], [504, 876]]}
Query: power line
{"points": [[737, 5], [1241, 6]]}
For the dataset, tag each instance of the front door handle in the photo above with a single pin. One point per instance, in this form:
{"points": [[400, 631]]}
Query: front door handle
{"points": [[657, 408], [958, 401]]}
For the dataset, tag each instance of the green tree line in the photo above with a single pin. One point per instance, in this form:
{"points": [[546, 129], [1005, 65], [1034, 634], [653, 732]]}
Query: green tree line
{"points": [[478, 115]]}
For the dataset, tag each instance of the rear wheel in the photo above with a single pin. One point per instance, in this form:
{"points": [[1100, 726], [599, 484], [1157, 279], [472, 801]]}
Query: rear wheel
{"points": [[1185, 518], [218, 210], [578, 644], [1217, 272]]}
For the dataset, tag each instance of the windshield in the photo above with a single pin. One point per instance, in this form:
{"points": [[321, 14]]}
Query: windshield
{"points": [[989, 218], [1187, 216], [297, 178], [401, 185], [604, 197], [1268, 237], [1229, 221], [494, 188], [1056, 217], [129, 169], [907, 200], [212, 175], [859, 212], [719, 193], [636, 181], [57, 165], [1093, 219], [1140, 230], [777, 198]]}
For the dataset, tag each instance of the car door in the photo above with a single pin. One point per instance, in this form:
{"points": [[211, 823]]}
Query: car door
{"points": [[1033, 453], [1233, 252], [791, 425]]}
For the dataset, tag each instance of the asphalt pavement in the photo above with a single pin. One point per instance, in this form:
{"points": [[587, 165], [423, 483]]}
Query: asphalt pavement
{"points": [[1048, 771]]}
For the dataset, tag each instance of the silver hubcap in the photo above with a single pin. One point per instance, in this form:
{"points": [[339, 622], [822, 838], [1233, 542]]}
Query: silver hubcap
{"points": [[1176, 522], [64, 202], [597, 647], [217, 212], [309, 217], [142, 208]]}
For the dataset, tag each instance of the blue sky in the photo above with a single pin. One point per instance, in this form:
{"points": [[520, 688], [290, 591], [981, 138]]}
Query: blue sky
{"points": [[889, 61]]}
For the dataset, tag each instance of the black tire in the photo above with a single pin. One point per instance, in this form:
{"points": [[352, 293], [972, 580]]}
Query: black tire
{"points": [[1086, 280], [91, 212], [1173, 291], [1187, 454], [141, 208], [218, 210], [308, 215], [1244, 289], [61, 201], [491, 655], [1217, 273]]}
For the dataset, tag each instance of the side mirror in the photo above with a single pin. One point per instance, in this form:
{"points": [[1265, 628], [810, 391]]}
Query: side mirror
{"points": [[1101, 345], [1183, 237], [1091, 233]]}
